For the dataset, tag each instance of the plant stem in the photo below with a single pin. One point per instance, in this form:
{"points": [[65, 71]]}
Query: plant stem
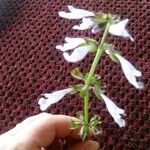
{"points": [[97, 56], [91, 73], [86, 116]]}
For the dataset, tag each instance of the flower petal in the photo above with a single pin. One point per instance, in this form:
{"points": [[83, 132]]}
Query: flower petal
{"points": [[75, 13], [114, 111], [95, 29], [71, 43], [50, 98], [43, 104], [78, 54], [118, 29], [87, 23], [130, 72]]}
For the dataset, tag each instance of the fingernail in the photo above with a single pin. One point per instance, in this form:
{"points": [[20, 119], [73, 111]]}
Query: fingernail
{"points": [[92, 146]]}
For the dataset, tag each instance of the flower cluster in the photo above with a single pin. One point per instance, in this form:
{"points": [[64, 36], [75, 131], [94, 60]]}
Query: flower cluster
{"points": [[76, 49], [93, 21]]}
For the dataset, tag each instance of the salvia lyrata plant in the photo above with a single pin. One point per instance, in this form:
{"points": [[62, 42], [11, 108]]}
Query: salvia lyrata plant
{"points": [[75, 49]]}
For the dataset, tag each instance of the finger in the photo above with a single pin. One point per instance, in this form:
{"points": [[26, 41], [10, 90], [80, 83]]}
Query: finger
{"points": [[46, 128], [87, 145], [22, 125], [30, 120]]}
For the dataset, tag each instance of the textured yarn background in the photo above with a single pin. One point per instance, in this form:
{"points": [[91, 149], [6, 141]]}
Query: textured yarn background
{"points": [[30, 65]]}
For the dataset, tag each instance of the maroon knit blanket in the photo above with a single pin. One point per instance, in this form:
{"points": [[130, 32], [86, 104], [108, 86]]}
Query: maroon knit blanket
{"points": [[30, 65]]}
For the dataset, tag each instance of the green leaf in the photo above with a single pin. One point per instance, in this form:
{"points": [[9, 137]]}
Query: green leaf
{"points": [[77, 74], [84, 44], [75, 124], [111, 52], [113, 56], [82, 94], [92, 43], [96, 92], [80, 115], [77, 88], [96, 82], [94, 124], [93, 49], [95, 121], [85, 77], [96, 130], [97, 89], [83, 133], [96, 78]]}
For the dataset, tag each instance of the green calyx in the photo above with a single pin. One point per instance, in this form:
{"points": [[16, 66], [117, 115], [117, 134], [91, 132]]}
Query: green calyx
{"points": [[94, 125], [92, 43], [81, 88], [109, 49], [102, 19]]}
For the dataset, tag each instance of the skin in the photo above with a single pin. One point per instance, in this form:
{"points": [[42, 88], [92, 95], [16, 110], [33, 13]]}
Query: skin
{"points": [[44, 132]]}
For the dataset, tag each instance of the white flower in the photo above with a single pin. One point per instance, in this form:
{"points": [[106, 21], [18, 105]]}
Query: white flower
{"points": [[78, 53], [114, 110], [87, 23], [70, 43], [118, 29], [50, 98], [130, 72], [79, 50], [75, 13]]}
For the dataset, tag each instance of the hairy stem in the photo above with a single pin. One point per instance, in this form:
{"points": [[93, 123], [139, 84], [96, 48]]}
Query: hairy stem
{"points": [[91, 73]]}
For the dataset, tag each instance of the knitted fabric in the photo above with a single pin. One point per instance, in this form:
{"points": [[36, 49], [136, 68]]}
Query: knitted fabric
{"points": [[30, 65]]}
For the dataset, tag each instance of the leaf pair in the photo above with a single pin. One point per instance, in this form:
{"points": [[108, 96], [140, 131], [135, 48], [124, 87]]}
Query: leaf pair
{"points": [[93, 125], [95, 84]]}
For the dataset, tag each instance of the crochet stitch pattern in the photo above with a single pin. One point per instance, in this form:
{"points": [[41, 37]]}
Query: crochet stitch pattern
{"points": [[31, 65]]}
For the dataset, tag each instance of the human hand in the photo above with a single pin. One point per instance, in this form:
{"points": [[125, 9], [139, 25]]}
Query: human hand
{"points": [[40, 131]]}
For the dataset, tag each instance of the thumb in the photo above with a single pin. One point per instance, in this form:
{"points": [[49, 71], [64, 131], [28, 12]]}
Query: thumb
{"points": [[43, 130]]}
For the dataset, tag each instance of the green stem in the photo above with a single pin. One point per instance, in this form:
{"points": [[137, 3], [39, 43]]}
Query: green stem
{"points": [[91, 73], [86, 116]]}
